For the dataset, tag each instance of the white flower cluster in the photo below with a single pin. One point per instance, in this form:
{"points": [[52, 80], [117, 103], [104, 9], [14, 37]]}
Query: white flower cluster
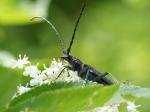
{"points": [[131, 107], [55, 72]]}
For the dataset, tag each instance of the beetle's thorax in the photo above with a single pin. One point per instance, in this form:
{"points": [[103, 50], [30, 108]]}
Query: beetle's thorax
{"points": [[73, 61]]}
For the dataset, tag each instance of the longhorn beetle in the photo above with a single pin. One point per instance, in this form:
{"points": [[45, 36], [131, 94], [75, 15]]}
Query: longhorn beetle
{"points": [[85, 71]]}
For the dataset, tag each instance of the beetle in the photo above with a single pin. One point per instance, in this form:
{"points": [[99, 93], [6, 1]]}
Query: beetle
{"points": [[85, 71]]}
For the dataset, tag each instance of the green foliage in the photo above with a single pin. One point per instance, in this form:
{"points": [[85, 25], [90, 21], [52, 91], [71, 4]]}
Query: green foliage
{"points": [[73, 97], [129, 92], [9, 81], [136, 91], [63, 97], [44, 88]]}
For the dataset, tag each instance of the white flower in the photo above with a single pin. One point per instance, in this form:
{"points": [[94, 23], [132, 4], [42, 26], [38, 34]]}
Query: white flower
{"points": [[32, 71], [40, 79], [56, 72], [56, 64], [34, 82], [22, 89], [73, 76], [48, 75], [51, 73], [131, 107], [21, 62]]}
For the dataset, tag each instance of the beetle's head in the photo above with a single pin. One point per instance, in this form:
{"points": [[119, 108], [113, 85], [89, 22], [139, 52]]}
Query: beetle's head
{"points": [[65, 56], [71, 59]]}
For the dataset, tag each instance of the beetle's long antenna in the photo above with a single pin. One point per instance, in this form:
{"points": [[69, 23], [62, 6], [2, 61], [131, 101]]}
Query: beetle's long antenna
{"points": [[83, 7], [53, 27]]}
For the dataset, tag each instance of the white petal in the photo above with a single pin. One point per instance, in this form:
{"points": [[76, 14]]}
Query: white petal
{"points": [[32, 71], [22, 89], [34, 82], [21, 62]]}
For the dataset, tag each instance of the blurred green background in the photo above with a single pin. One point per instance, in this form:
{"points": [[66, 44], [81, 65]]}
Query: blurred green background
{"points": [[113, 35]]}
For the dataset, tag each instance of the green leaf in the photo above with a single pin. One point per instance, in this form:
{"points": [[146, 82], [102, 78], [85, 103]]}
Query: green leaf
{"points": [[44, 88], [63, 97], [129, 92], [8, 85], [136, 91]]}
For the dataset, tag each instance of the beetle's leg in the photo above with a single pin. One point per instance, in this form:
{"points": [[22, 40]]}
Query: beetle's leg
{"points": [[87, 74], [69, 67], [99, 77], [115, 80], [86, 77], [106, 73], [66, 67], [60, 73]]}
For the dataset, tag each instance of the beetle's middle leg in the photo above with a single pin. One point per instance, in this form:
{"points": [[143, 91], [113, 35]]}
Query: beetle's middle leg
{"points": [[86, 76]]}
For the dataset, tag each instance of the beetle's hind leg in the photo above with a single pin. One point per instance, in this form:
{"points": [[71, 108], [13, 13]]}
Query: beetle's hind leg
{"points": [[114, 79], [101, 76], [107, 73]]}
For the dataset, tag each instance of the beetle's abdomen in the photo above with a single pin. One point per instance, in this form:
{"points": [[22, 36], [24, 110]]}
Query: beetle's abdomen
{"points": [[94, 75]]}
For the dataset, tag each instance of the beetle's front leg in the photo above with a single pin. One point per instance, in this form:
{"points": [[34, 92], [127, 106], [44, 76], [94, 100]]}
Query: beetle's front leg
{"points": [[73, 68], [60, 73], [69, 67], [65, 67]]}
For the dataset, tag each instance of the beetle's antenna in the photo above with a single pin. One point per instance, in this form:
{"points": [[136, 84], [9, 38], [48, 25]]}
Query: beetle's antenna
{"points": [[83, 7], [53, 27]]}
